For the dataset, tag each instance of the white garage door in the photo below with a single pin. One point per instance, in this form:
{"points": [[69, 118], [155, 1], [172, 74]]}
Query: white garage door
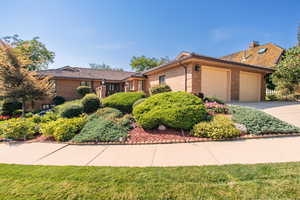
{"points": [[215, 82], [250, 84]]}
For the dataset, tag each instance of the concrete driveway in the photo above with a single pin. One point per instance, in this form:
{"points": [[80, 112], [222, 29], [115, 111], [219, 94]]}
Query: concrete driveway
{"points": [[186, 154], [286, 111]]}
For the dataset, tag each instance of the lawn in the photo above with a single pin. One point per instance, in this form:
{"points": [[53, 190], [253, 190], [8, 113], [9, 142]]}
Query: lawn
{"points": [[261, 181]]}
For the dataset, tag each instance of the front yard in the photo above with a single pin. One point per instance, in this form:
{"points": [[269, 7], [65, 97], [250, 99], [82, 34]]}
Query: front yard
{"points": [[260, 181], [132, 117]]}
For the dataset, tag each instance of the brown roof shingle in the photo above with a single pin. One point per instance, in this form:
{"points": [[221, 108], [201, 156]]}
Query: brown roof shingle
{"points": [[86, 73], [251, 56]]}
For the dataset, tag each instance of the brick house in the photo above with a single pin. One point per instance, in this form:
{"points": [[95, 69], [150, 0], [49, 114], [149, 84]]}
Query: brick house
{"points": [[237, 77]]}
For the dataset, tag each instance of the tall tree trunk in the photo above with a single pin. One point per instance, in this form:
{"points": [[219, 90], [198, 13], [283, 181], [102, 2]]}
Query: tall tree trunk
{"points": [[23, 107]]}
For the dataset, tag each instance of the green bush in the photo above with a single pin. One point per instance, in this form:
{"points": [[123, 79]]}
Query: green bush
{"points": [[101, 130], [258, 122], [109, 113], [90, 103], [160, 89], [219, 128], [9, 106], [138, 102], [123, 100], [272, 97], [58, 100], [213, 99], [172, 109], [18, 129], [83, 90], [61, 107], [63, 129], [71, 111]]}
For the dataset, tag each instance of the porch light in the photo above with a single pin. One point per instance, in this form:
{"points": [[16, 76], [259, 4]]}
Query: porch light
{"points": [[197, 68]]}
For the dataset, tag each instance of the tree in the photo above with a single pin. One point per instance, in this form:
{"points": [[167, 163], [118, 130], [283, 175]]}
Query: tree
{"points": [[36, 51], [143, 63], [16, 81], [299, 35], [103, 66], [287, 74]]}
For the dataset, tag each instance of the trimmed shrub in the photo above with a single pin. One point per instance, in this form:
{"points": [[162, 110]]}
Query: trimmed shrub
{"points": [[138, 102], [18, 129], [71, 111], [9, 106], [272, 97], [83, 90], [160, 89], [258, 122], [213, 99], [109, 113], [58, 100], [63, 129], [90, 103], [101, 130], [219, 128], [172, 109], [123, 101]]}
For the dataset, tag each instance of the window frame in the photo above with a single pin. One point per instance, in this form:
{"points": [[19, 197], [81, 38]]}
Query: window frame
{"points": [[162, 79]]}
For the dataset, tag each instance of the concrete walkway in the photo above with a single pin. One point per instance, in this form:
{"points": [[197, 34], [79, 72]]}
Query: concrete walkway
{"points": [[286, 111], [204, 153]]}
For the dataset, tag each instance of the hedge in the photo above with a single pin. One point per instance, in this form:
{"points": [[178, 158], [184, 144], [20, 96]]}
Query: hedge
{"points": [[90, 103], [123, 101], [172, 109]]}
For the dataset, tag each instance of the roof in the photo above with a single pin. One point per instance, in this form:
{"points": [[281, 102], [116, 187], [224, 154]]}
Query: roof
{"points": [[182, 57], [269, 56], [86, 73]]}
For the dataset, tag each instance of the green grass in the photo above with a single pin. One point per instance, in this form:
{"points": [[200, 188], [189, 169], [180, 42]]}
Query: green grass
{"points": [[261, 181]]}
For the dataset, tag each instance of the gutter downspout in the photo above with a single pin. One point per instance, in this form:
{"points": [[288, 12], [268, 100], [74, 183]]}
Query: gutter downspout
{"points": [[185, 75]]}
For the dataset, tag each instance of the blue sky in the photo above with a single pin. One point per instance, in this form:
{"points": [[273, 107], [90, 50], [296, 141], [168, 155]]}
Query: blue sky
{"points": [[110, 31]]}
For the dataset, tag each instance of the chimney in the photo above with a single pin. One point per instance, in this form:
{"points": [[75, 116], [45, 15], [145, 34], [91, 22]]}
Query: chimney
{"points": [[253, 44]]}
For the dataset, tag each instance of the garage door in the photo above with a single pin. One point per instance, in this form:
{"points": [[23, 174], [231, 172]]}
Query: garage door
{"points": [[215, 82], [250, 84]]}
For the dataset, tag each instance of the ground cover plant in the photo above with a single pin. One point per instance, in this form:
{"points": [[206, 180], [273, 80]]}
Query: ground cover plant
{"points": [[219, 127], [258, 122], [123, 101], [179, 110], [259, 181], [101, 130]]}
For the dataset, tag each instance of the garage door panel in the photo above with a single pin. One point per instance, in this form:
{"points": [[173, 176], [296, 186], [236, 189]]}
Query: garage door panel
{"points": [[250, 86], [215, 83]]}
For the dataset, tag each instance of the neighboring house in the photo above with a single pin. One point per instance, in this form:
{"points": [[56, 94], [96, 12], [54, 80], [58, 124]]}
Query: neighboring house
{"points": [[231, 78], [267, 55]]}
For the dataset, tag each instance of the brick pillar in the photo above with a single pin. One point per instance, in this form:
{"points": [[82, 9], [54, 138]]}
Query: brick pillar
{"points": [[263, 87], [235, 85]]}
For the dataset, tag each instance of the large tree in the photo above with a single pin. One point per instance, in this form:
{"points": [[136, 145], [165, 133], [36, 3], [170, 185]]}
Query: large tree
{"points": [[287, 74], [16, 81], [143, 63], [35, 50], [104, 66]]}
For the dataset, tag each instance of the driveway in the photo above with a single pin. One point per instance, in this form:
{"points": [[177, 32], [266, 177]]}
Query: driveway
{"points": [[286, 111], [186, 154]]}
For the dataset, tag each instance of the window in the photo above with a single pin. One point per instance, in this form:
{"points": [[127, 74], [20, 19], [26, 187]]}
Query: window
{"points": [[262, 50], [85, 83], [130, 85], [162, 79], [141, 85]]}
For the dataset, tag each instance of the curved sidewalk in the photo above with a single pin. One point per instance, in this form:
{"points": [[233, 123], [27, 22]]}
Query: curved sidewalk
{"points": [[284, 149]]}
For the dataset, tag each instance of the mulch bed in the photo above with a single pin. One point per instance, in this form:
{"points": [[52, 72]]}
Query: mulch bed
{"points": [[139, 135]]}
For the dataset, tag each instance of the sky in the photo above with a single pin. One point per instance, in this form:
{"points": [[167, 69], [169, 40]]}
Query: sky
{"points": [[112, 31]]}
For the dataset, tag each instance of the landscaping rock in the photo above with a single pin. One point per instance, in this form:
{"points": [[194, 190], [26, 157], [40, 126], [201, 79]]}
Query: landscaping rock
{"points": [[162, 128], [241, 127]]}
